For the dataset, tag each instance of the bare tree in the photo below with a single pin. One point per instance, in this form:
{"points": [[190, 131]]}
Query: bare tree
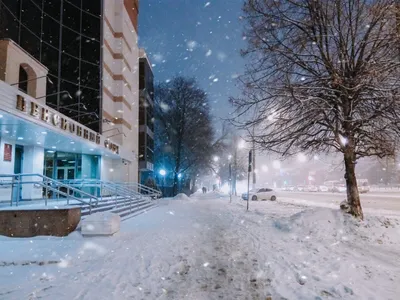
{"points": [[183, 127], [324, 75]]}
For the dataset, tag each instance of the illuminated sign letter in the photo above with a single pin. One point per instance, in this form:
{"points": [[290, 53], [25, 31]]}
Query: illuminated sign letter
{"points": [[98, 139], [64, 124], [85, 134], [45, 115], [71, 127], [34, 109], [56, 120], [21, 103], [78, 130]]}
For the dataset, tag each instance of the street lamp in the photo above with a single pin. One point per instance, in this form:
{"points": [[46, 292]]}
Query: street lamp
{"points": [[276, 164], [68, 94], [216, 158], [302, 158], [163, 173], [242, 144]]}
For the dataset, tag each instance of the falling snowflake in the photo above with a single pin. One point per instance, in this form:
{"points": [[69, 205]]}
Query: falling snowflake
{"points": [[209, 52], [207, 4]]}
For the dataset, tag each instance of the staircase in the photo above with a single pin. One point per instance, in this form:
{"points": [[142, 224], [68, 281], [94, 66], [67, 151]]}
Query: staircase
{"points": [[124, 199]]}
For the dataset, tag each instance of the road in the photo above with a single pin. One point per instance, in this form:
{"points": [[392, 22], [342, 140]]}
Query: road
{"points": [[370, 201]]}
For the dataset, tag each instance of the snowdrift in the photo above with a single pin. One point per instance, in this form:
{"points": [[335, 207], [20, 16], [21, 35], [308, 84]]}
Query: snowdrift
{"points": [[181, 197], [329, 224]]}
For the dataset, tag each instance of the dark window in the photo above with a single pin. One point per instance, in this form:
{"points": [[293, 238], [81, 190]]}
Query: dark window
{"points": [[268, 190], [9, 25], [71, 16], [52, 8], [30, 42], [90, 50], [51, 31], [142, 83], [65, 98], [90, 75], [92, 6], [50, 59], [23, 80], [31, 17], [91, 26], [70, 68], [142, 146], [71, 42]]}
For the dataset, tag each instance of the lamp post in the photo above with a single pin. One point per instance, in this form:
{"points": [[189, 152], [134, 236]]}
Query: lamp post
{"points": [[68, 94], [163, 173], [17, 83]]}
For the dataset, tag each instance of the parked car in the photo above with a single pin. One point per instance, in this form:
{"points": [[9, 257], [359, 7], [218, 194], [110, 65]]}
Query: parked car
{"points": [[300, 188], [261, 194], [340, 189], [323, 188], [312, 188]]}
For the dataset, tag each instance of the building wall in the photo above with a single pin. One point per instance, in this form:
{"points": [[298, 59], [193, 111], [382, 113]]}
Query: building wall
{"points": [[6, 167], [120, 79], [33, 163], [11, 58]]}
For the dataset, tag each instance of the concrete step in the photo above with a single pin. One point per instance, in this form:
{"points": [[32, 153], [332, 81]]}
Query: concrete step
{"points": [[124, 207], [110, 202]]}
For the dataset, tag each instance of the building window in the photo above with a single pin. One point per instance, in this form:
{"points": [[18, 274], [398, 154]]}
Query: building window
{"points": [[64, 35], [23, 80]]}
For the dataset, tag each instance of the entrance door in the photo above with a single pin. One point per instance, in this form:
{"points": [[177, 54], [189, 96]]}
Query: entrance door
{"points": [[19, 156], [19, 153], [64, 173]]}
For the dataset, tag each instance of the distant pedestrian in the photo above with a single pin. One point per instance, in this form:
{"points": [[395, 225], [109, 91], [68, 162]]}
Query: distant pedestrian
{"points": [[204, 190]]}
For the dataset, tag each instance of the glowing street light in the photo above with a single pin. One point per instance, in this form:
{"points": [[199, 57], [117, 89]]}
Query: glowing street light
{"points": [[242, 144], [276, 164], [302, 158], [179, 175], [316, 157], [163, 172], [229, 157], [216, 158]]}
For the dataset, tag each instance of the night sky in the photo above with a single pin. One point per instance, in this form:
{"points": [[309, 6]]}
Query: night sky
{"points": [[195, 38]]}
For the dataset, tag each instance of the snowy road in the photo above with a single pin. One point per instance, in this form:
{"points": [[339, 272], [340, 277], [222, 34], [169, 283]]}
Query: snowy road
{"points": [[209, 249]]}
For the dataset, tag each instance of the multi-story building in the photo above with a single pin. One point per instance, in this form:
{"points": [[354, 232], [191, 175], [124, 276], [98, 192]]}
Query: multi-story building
{"points": [[146, 118], [69, 89]]}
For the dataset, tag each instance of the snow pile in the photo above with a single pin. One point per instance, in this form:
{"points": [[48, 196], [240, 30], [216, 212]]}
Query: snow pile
{"points": [[181, 197], [328, 224], [315, 223]]}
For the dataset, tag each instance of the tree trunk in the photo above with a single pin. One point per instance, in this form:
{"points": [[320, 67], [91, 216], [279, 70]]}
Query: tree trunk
{"points": [[353, 197]]}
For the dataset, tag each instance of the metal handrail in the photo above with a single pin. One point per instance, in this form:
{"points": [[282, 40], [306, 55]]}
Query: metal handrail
{"points": [[116, 189], [48, 183], [142, 187]]}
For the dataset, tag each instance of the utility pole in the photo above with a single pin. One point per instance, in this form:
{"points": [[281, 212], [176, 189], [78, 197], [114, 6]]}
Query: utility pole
{"points": [[253, 163], [248, 177]]}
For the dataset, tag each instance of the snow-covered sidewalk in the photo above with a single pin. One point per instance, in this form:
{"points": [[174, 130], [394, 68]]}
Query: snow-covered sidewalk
{"points": [[207, 248]]}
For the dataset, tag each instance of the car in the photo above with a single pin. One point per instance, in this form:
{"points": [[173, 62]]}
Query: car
{"points": [[340, 189], [300, 188], [323, 188], [312, 188], [261, 194]]}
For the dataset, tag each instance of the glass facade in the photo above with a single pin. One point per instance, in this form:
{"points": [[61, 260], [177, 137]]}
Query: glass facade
{"points": [[146, 113], [64, 165], [65, 36]]}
